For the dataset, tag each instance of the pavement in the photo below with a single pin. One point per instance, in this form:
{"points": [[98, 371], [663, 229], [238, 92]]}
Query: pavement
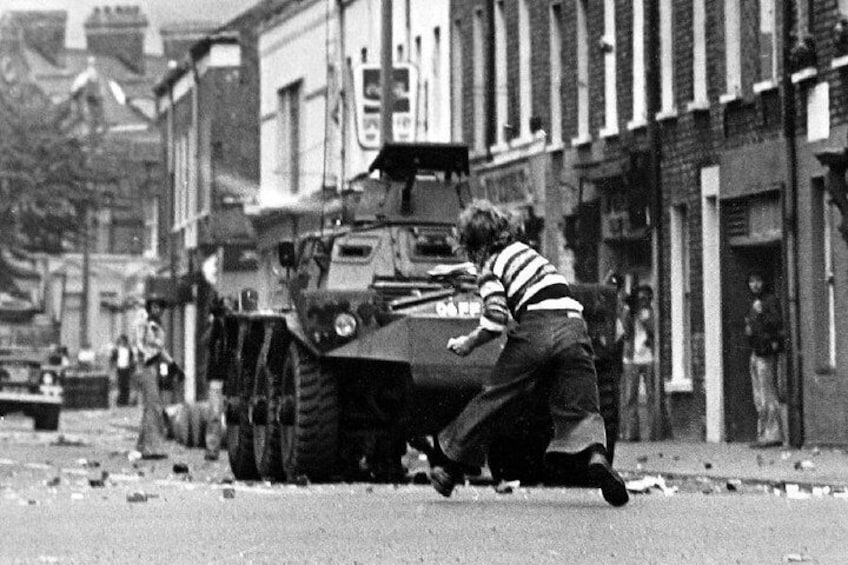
{"points": [[777, 466]]}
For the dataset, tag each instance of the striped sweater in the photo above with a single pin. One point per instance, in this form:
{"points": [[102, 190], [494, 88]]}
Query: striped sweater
{"points": [[514, 278]]}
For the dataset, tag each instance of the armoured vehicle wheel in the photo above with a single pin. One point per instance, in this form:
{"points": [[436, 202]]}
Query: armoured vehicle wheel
{"points": [[47, 418], [240, 448], [197, 426], [309, 417], [266, 431]]}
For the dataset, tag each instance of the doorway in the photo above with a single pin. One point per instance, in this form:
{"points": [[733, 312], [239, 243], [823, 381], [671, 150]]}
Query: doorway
{"points": [[738, 262]]}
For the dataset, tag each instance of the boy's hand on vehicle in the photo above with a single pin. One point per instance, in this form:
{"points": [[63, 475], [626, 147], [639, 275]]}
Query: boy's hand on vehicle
{"points": [[461, 345]]}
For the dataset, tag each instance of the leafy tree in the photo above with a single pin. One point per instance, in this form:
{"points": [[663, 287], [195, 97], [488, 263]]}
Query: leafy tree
{"points": [[47, 177]]}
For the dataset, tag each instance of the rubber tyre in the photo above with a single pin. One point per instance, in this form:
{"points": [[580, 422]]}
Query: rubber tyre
{"points": [[180, 424], [309, 418], [197, 426], [47, 418], [266, 433], [240, 449]]}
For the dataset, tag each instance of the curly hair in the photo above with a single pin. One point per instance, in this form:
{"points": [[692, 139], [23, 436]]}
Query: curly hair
{"points": [[484, 229]]}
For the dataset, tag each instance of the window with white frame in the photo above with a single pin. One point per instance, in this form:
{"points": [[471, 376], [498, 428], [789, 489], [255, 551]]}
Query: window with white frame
{"points": [[151, 227], [699, 53], [640, 107], [827, 227], [501, 85], [181, 179], [288, 124], [582, 71], [556, 73], [525, 80], [457, 85], [435, 91], [667, 105], [479, 83], [732, 48], [768, 41], [681, 378], [610, 83]]}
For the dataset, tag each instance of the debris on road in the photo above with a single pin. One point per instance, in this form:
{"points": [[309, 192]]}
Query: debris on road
{"points": [[134, 456], [180, 468], [734, 485], [137, 497], [507, 487], [797, 558], [63, 441], [228, 493], [99, 480], [804, 465], [646, 484], [708, 465], [53, 482]]}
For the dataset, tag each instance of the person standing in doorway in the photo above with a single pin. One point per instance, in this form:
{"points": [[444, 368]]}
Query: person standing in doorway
{"points": [[764, 329], [638, 328], [124, 362], [151, 438]]}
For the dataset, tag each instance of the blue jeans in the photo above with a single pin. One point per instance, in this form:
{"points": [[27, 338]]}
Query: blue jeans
{"points": [[546, 352]]}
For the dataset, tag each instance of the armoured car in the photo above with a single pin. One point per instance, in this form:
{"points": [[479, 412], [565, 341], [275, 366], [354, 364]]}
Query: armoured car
{"points": [[337, 384]]}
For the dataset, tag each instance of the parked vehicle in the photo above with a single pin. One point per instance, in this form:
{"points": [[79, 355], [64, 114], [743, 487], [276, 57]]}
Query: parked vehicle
{"points": [[338, 383], [31, 386]]}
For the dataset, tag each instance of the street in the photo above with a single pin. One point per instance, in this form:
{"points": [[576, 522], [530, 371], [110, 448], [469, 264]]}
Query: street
{"points": [[75, 497]]}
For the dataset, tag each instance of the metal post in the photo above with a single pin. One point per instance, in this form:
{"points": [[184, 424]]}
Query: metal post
{"points": [[790, 251], [386, 77], [662, 429], [85, 342]]}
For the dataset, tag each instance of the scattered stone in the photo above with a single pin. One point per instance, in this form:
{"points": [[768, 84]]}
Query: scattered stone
{"points": [[228, 493], [642, 459], [797, 558], [77, 496], [54, 482], [369, 490], [804, 465], [708, 465], [134, 456], [760, 460], [62, 441], [734, 485], [180, 468], [137, 497], [98, 481], [507, 487]]}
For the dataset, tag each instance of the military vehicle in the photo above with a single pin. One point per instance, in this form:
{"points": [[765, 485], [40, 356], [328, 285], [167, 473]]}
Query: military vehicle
{"points": [[336, 385]]}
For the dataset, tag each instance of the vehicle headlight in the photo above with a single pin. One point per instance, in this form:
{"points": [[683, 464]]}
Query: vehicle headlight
{"points": [[48, 378], [345, 325]]}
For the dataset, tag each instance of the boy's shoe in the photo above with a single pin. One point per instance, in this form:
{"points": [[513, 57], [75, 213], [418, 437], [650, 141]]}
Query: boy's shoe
{"points": [[603, 475]]}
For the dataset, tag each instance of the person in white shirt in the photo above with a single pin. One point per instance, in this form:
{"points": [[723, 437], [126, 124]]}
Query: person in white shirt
{"points": [[123, 360], [638, 365]]}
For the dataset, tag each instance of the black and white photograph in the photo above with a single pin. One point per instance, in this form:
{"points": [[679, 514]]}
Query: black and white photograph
{"points": [[368, 282]]}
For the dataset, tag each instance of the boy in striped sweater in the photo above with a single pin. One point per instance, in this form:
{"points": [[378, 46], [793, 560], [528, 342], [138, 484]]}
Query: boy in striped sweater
{"points": [[548, 349]]}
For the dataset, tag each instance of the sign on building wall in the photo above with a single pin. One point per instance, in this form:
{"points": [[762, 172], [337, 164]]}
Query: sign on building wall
{"points": [[367, 89]]}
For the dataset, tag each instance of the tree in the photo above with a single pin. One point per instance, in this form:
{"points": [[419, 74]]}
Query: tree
{"points": [[47, 177]]}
